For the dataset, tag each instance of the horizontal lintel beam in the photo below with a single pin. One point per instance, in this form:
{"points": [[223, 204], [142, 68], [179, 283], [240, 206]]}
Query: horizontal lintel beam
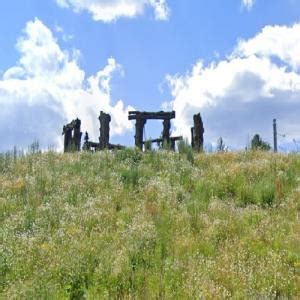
{"points": [[160, 140], [161, 115]]}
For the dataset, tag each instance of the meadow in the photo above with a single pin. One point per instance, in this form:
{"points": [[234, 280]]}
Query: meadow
{"points": [[153, 225]]}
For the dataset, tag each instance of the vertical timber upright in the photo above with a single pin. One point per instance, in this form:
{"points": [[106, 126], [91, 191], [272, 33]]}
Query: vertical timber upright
{"points": [[197, 133], [275, 135]]}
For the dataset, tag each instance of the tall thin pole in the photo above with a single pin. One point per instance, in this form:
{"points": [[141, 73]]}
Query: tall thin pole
{"points": [[275, 135]]}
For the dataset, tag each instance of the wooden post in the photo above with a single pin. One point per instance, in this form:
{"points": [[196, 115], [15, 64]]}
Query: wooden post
{"points": [[275, 135], [173, 145], [104, 130], [139, 132], [72, 139], [67, 131], [166, 132], [193, 137], [198, 132], [86, 145], [77, 135]]}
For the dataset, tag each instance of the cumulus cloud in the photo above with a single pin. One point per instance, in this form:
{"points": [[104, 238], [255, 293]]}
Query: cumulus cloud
{"points": [[47, 88], [239, 96], [248, 4], [108, 11], [277, 41]]}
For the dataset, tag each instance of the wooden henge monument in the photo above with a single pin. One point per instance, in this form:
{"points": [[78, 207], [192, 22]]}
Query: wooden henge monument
{"points": [[141, 119], [72, 133]]}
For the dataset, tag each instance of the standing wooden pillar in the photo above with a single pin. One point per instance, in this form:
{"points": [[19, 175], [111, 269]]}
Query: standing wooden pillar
{"points": [[275, 135], [67, 131], [173, 144], [197, 133], [193, 137], [77, 135], [72, 139], [104, 130], [166, 132], [139, 132], [86, 145]]}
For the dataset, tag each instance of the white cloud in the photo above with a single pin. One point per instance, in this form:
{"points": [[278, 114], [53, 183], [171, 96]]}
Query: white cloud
{"points": [[279, 41], [241, 95], [248, 4], [108, 11], [47, 88], [64, 36]]}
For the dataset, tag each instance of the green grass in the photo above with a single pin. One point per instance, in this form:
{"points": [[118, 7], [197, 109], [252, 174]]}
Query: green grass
{"points": [[154, 225]]}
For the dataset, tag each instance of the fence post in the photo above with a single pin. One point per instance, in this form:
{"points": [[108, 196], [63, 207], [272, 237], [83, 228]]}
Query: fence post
{"points": [[275, 135]]}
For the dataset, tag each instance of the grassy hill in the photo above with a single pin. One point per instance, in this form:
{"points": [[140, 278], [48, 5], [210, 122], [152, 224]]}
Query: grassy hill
{"points": [[148, 226]]}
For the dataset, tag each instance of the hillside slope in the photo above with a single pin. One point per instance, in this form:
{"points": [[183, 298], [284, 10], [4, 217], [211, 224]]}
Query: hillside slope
{"points": [[152, 225]]}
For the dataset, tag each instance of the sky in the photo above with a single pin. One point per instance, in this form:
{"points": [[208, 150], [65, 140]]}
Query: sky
{"points": [[237, 62]]}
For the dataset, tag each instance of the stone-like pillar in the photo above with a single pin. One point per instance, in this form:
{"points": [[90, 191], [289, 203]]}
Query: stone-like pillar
{"points": [[139, 132], [104, 119], [166, 132], [198, 133]]}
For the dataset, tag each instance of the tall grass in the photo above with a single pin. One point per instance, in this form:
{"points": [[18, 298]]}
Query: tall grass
{"points": [[152, 225]]}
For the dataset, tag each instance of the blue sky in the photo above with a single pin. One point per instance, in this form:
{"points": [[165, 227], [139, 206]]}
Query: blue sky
{"points": [[151, 54]]}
